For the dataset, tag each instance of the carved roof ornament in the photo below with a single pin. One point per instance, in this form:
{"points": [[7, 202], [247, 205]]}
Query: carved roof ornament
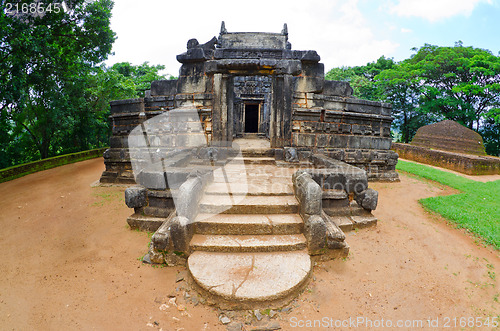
{"points": [[223, 28], [285, 30]]}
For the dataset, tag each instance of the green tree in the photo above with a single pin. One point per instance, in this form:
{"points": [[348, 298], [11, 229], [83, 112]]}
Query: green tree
{"points": [[44, 63], [490, 131], [458, 83], [141, 75], [361, 78], [399, 87]]}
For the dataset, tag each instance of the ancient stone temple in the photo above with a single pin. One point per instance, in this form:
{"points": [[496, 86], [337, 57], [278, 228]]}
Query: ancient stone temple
{"points": [[254, 83], [249, 166]]}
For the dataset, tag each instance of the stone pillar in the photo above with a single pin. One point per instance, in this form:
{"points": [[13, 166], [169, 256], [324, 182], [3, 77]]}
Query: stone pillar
{"points": [[275, 125], [281, 111], [287, 110], [222, 112], [229, 85]]}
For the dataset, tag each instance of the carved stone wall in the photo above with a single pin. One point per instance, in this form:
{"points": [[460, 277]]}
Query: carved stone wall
{"points": [[297, 107]]}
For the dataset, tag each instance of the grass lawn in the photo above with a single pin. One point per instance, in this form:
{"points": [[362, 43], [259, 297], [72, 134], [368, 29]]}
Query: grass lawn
{"points": [[477, 209]]}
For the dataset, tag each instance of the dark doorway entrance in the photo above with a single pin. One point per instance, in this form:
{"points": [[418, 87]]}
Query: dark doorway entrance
{"points": [[251, 118]]}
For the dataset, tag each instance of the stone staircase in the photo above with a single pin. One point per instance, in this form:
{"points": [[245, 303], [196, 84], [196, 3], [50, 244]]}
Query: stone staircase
{"points": [[247, 239], [248, 248]]}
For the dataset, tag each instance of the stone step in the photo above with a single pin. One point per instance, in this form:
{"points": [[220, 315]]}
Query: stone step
{"points": [[253, 136], [247, 243], [349, 223], [262, 188], [137, 221], [257, 152], [248, 224], [250, 280], [258, 169], [256, 160], [253, 178], [248, 205]]}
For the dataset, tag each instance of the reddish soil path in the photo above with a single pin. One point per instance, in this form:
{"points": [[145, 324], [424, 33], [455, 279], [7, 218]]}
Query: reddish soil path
{"points": [[70, 262]]}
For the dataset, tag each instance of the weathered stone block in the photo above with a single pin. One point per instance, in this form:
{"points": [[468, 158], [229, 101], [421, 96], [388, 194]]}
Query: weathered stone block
{"points": [[356, 182], [194, 84], [152, 180], [364, 106], [136, 196], [194, 55], [192, 69], [308, 192], [188, 197], [127, 106], [335, 203], [323, 140], [335, 236], [367, 199], [308, 84], [279, 154], [363, 221], [339, 141], [180, 233], [313, 70], [310, 56], [252, 41], [334, 181], [163, 87], [161, 240], [355, 142], [337, 88], [315, 233], [291, 154], [344, 128], [386, 109], [303, 139]]}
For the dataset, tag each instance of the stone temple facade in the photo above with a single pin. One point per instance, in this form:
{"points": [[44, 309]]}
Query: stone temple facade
{"points": [[245, 84]]}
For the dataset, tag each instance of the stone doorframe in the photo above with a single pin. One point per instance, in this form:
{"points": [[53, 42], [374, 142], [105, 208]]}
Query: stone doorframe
{"points": [[280, 126], [260, 113]]}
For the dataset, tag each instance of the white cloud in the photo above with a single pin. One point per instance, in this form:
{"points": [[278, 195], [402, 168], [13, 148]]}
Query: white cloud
{"points": [[156, 30], [405, 30], [434, 10]]}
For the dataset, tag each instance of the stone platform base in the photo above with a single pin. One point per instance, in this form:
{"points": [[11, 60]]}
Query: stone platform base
{"points": [[464, 163]]}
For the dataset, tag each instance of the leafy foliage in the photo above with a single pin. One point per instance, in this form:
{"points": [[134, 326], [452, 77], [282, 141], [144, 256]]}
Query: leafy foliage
{"points": [[361, 78], [490, 131], [459, 83], [141, 75], [54, 97], [44, 63]]}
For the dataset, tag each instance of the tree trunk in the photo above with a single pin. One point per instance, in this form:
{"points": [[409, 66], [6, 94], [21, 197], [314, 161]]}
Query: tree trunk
{"points": [[406, 133]]}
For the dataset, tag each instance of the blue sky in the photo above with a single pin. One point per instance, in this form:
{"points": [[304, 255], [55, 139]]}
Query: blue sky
{"points": [[344, 32], [477, 25]]}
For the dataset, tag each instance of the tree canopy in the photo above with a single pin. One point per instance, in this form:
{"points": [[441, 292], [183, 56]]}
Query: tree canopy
{"points": [[54, 91], [458, 83], [436, 83], [45, 62]]}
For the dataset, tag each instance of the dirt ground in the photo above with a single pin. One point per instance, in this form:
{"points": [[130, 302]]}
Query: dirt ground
{"points": [[70, 262]]}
